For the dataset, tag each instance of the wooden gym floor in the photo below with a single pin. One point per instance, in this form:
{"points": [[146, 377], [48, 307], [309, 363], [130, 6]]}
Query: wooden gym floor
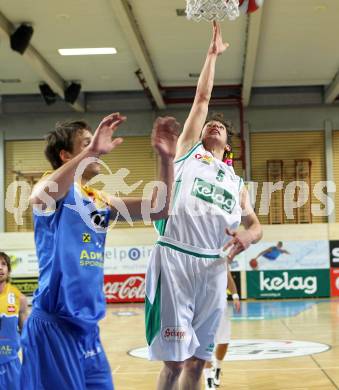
{"points": [[312, 321]]}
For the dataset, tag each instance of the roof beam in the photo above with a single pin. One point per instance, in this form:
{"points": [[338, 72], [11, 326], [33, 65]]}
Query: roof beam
{"points": [[253, 36], [137, 45], [40, 65], [332, 91]]}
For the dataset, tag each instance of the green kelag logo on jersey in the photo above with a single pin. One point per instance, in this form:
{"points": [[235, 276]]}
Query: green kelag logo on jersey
{"points": [[213, 194]]}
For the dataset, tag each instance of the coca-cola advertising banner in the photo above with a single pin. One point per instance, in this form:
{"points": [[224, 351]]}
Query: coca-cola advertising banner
{"points": [[124, 288], [335, 282]]}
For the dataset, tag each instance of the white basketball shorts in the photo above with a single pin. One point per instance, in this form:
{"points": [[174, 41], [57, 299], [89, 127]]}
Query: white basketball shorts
{"points": [[185, 299]]}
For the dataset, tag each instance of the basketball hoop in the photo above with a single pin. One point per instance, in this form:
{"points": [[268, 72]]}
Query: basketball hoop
{"points": [[212, 9]]}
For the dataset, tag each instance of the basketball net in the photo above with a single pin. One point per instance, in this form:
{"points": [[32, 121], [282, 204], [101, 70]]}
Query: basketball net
{"points": [[212, 9]]}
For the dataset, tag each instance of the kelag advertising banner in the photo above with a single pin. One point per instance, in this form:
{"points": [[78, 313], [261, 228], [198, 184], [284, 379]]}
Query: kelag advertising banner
{"points": [[288, 284]]}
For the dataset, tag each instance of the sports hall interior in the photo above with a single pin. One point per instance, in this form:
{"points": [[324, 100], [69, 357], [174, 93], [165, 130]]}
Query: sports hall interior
{"points": [[279, 85]]}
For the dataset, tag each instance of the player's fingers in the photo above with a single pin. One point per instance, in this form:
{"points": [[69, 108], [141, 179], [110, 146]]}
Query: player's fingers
{"points": [[114, 125], [117, 141], [166, 125], [229, 244], [105, 122], [234, 251], [110, 118]]}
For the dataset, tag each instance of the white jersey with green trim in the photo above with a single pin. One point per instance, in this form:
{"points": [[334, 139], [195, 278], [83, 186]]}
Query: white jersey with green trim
{"points": [[205, 203]]}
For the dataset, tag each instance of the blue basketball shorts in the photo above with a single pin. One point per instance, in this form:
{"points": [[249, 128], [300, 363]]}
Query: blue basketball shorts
{"points": [[10, 375], [56, 357]]}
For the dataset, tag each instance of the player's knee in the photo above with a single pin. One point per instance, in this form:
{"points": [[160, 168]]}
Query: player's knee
{"points": [[194, 367], [173, 369]]}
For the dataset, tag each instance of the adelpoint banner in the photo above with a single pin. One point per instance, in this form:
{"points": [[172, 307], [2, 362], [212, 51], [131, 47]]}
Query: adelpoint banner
{"points": [[288, 284]]}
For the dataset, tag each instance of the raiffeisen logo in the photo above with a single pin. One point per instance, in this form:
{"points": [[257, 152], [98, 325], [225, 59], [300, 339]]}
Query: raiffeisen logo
{"points": [[213, 194], [309, 284]]}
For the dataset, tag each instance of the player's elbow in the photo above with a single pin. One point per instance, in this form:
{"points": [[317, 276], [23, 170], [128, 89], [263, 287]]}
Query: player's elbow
{"points": [[202, 97]]}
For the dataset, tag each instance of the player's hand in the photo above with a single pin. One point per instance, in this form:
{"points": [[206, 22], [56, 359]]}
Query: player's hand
{"points": [[217, 45], [236, 305], [238, 243], [102, 141], [165, 135]]}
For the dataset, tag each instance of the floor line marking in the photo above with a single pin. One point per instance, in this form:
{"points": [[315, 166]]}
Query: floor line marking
{"points": [[324, 372]]}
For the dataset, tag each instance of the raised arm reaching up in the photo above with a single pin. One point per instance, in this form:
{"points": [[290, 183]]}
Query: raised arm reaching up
{"points": [[198, 114], [56, 185]]}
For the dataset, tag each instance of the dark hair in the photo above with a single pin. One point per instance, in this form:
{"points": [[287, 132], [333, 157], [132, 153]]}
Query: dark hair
{"points": [[62, 138], [8, 262]]}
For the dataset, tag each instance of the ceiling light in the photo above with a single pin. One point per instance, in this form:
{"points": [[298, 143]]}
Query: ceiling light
{"points": [[87, 52]]}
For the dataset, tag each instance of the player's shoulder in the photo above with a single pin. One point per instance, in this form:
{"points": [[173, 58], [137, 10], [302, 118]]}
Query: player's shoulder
{"points": [[45, 176], [99, 196], [196, 148]]}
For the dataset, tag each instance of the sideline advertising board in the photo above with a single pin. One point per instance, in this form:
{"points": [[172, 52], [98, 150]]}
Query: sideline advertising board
{"points": [[288, 284]]}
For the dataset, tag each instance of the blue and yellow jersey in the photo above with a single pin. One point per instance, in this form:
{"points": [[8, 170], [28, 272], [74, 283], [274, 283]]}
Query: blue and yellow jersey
{"points": [[70, 243], [9, 320]]}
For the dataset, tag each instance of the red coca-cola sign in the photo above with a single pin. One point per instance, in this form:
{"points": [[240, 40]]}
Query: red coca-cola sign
{"points": [[124, 288], [334, 282]]}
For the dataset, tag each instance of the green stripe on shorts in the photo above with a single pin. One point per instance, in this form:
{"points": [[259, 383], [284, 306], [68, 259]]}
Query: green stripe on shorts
{"points": [[152, 314], [177, 248]]}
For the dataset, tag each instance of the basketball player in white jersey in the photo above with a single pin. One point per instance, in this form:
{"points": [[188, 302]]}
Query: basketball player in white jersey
{"points": [[222, 338], [186, 277]]}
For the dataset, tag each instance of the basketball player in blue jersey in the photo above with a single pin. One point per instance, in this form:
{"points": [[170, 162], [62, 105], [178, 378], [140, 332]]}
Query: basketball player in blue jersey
{"points": [[273, 252], [61, 343], [13, 312], [186, 277]]}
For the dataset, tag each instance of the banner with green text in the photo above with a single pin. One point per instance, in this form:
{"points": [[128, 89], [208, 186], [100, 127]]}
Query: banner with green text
{"points": [[288, 284]]}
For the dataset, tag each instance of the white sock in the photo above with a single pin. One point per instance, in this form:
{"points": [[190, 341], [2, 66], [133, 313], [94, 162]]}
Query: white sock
{"points": [[217, 363], [208, 373]]}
